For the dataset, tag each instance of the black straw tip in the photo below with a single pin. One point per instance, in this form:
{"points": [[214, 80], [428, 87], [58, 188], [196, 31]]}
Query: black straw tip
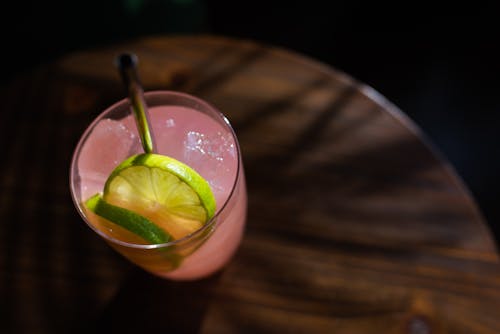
{"points": [[126, 60]]}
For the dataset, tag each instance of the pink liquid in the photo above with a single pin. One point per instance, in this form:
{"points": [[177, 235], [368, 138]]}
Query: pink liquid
{"points": [[194, 138]]}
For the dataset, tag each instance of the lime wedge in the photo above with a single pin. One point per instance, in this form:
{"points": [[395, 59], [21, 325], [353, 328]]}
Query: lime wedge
{"points": [[127, 219], [163, 190]]}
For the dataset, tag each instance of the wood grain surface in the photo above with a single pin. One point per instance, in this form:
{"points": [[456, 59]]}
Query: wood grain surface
{"points": [[355, 223]]}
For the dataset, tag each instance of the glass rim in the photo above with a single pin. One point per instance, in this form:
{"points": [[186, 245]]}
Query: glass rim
{"points": [[186, 239]]}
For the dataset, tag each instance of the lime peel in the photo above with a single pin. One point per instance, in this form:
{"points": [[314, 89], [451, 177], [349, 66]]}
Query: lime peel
{"points": [[127, 219]]}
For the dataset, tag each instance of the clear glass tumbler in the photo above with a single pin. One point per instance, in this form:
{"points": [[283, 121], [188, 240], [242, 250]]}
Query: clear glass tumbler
{"points": [[190, 130]]}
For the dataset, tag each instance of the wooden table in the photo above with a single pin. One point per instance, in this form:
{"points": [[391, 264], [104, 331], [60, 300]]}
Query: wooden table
{"points": [[355, 223]]}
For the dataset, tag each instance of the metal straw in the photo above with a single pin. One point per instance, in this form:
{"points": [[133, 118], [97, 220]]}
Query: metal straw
{"points": [[127, 65]]}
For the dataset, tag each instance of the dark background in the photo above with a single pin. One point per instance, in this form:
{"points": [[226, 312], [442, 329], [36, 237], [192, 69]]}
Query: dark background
{"points": [[439, 64]]}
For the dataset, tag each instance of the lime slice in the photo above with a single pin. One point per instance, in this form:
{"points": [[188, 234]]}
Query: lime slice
{"points": [[127, 219], [162, 190]]}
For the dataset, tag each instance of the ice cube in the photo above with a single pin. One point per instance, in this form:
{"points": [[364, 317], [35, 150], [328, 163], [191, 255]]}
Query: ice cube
{"points": [[216, 146], [212, 155], [109, 143]]}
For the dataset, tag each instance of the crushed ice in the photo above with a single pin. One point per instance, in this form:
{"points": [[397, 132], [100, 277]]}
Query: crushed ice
{"points": [[170, 123], [215, 146], [209, 152]]}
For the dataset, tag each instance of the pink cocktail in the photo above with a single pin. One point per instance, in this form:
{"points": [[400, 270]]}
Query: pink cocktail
{"points": [[191, 131]]}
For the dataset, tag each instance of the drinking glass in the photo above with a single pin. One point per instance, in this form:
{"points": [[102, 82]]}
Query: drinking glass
{"points": [[192, 131]]}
